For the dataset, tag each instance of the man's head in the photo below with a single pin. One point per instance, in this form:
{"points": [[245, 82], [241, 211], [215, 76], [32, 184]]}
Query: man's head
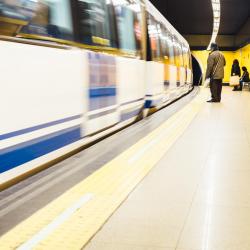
{"points": [[244, 68], [214, 47]]}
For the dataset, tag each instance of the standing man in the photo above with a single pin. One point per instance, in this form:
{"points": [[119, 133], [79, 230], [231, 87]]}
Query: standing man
{"points": [[215, 71]]}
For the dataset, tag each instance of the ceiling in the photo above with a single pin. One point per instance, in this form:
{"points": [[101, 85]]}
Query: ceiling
{"points": [[234, 14], [187, 16], [194, 20]]}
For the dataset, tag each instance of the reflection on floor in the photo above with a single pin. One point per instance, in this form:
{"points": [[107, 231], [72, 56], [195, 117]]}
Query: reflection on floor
{"points": [[198, 196]]}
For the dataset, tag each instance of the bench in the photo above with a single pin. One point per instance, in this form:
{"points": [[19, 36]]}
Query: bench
{"points": [[246, 84]]}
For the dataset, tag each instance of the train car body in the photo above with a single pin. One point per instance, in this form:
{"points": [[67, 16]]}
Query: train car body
{"points": [[74, 71]]}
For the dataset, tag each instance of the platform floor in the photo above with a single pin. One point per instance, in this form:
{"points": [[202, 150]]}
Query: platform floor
{"points": [[183, 184], [198, 195]]}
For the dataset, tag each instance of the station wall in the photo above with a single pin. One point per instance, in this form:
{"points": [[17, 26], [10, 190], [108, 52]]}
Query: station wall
{"points": [[243, 55]]}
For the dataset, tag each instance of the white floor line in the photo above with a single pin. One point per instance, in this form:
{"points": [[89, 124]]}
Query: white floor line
{"points": [[37, 238]]}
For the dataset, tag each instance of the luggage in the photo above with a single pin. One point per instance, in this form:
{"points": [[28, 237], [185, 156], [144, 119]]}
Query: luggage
{"points": [[207, 83], [234, 80]]}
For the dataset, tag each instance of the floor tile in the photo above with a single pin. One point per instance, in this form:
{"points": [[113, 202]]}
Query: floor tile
{"points": [[223, 196], [216, 227], [106, 246], [139, 234], [214, 178]]}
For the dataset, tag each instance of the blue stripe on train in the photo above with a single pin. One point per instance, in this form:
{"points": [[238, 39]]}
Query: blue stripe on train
{"points": [[28, 151], [148, 104], [41, 126], [100, 92], [152, 103]]}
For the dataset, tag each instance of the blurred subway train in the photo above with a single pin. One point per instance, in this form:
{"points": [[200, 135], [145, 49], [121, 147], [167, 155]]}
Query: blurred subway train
{"points": [[73, 71]]}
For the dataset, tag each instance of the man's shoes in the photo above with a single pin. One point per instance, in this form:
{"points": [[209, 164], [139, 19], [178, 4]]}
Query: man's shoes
{"points": [[211, 101]]}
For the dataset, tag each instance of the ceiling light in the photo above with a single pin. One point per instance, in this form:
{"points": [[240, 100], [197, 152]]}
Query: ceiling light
{"points": [[216, 25]]}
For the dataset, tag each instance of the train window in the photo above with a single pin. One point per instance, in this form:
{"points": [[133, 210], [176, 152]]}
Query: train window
{"points": [[176, 52], [97, 23], [186, 56], [155, 44], [43, 18], [167, 46], [129, 24], [11, 17], [181, 55], [190, 58]]}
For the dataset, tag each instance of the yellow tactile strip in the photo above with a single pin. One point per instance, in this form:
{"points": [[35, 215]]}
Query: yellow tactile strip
{"points": [[107, 187]]}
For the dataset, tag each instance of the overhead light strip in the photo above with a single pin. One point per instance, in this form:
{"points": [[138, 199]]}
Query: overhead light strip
{"points": [[216, 25]]}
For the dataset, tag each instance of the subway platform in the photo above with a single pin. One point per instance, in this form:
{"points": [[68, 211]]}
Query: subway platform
{"points": [[178, 180]]}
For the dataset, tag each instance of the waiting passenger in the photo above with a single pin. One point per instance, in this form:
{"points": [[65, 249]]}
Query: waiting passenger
{"points": [[215, 71], [244, 78], [235, 71]]}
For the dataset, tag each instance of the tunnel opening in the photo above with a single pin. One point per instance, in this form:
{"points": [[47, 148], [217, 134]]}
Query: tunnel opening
{"points": [[197, 72]]}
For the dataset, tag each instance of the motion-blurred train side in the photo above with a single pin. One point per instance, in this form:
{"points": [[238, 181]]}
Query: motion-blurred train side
{"points": [[73, 71]]}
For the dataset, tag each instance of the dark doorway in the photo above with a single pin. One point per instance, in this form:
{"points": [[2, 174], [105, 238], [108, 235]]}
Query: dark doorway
{"points": [[197, 72]]}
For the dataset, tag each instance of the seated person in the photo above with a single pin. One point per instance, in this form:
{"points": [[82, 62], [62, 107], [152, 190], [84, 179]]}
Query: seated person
{"points": [[244, 78]]}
